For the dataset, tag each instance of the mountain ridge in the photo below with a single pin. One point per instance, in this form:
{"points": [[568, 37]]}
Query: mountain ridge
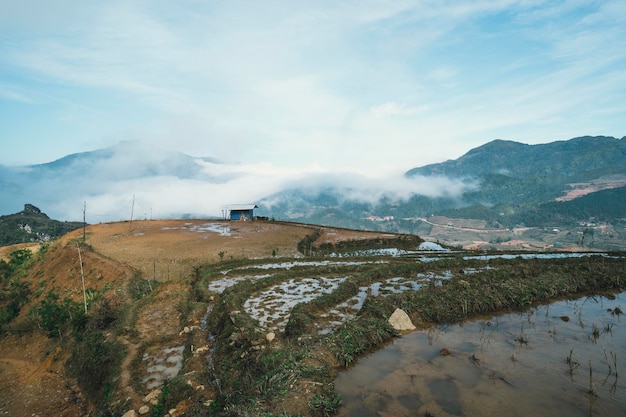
{"points": [[560, 158]]}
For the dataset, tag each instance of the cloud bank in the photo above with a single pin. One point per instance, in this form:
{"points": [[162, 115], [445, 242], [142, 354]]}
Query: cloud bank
{"points": [[151, 183]]}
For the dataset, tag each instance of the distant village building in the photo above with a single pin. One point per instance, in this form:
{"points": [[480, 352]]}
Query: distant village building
{"points": [[240, 211]]}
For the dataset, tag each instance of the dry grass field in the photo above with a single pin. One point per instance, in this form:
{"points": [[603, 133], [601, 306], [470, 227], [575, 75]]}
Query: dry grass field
{"points": [[168, 249]]}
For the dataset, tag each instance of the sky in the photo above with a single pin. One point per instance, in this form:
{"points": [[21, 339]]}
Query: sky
{"points": [[370, 87]]}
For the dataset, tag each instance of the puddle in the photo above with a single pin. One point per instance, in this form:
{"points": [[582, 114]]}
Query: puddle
{"points": [[561, 255], [532, 363], [219, 228], [348, 309], [293, 264], [272, 307], [161, 365], [534, 256], [220, 285], [393, 252]]}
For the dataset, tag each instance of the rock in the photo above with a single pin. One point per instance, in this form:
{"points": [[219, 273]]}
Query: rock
{"points": [[400, 321], [145, 409], [173, 412], [201, 350], [153, 397], [233, 314], [130, 413], [444, 352], [188, 329], [270, 337]]}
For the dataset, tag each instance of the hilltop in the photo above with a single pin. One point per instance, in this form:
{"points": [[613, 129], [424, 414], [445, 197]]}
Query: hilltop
{"points": [[32, 225]]}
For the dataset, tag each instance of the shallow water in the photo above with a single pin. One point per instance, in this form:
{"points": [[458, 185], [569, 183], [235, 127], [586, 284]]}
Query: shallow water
{"points": [[161, 365], [522, 364], [272, 307]]}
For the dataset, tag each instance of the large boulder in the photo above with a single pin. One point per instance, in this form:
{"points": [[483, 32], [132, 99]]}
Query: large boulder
{"points": [[401, 321]]}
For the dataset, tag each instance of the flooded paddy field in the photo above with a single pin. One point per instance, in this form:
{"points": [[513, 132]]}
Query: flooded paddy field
{"points": [[567, 358], [303, 337]]}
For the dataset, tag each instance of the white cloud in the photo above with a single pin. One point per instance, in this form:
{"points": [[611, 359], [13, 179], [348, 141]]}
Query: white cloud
{"points": [[355, 84], [396, 109]]}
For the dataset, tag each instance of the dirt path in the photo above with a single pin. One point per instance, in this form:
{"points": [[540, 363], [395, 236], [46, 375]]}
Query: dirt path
{"points": [[33, 387], [125, 375]]}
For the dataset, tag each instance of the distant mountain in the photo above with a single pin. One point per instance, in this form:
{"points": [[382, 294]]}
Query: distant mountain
{"points": [[522, 180], [514, 183], [116, 172], [574, 159], [31, 225], [126, 160]]}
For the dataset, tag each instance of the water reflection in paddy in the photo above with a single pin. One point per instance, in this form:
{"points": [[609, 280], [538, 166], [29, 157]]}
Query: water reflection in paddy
{"points": [[522, 364]]}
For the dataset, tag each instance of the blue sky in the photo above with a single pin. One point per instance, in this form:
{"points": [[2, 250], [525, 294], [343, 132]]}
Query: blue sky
{"points": [[363, 86]]}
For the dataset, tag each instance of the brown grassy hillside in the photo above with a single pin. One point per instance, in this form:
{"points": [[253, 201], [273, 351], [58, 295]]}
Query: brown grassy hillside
{"points": [[144, 266]]}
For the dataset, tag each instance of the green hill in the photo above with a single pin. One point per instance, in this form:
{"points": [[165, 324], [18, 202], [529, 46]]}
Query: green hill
{"points": [[31, 225]]}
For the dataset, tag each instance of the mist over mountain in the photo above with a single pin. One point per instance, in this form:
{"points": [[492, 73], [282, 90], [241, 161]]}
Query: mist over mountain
{"points": [[134, 177], [107, 179], [503, 182], [125, 161], [511, 184]]}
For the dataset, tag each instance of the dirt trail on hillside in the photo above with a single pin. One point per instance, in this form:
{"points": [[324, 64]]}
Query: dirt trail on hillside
{"points": [[33, 383]]}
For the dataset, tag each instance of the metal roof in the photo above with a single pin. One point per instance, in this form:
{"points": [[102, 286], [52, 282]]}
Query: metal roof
{"points": [[242, 207]]}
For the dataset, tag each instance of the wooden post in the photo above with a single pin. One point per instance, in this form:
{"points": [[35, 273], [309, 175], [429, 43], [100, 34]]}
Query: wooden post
{"points": [[82, 275]]}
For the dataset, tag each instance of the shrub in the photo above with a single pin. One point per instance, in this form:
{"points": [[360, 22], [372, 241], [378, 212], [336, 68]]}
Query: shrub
{"points": [[95, 362], [53, 316]]}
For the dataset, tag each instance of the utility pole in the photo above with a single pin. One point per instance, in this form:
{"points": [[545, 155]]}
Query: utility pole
{"points": [[84, 221], [132, 209], [82, 275]]}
